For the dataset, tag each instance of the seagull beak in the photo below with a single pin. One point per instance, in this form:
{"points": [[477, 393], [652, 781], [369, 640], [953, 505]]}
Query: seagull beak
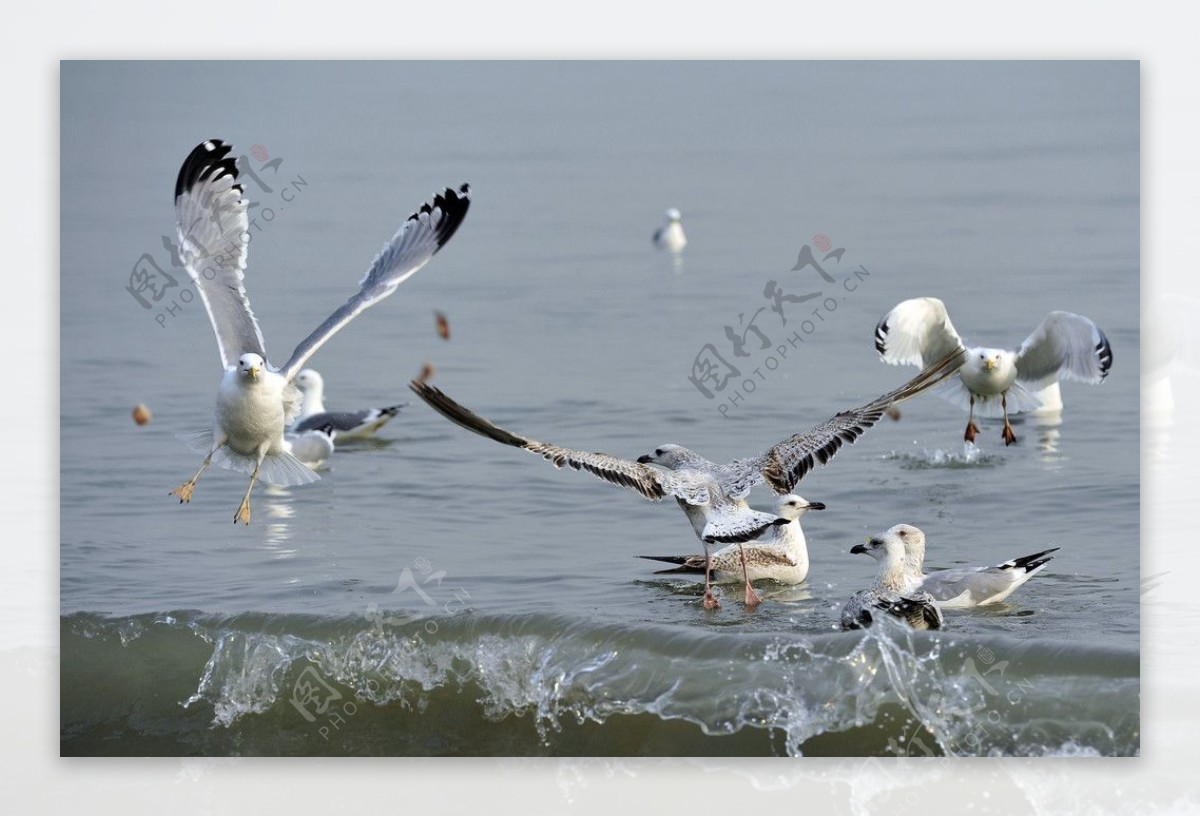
{"points": [[254, 372], [815, 506], [645, 458], [859, 549], [989, 364]]}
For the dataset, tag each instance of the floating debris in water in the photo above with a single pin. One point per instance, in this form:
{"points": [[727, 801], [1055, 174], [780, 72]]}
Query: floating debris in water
{"points": [[426, 373], [443, 325], [141, 414]]}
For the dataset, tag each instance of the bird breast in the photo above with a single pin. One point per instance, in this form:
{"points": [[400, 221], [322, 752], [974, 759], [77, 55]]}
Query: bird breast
{"points": [[985, 382], [251, 412]]}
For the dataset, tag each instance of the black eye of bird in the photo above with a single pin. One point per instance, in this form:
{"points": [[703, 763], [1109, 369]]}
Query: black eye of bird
{"points": [[658, 452]]}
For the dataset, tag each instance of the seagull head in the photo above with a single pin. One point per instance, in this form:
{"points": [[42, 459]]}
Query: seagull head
{"points": [[673, 215], [882, 547], [251, 365], [309, 380], [668, 456], [990, 359], [913, 539], [793, 506]]}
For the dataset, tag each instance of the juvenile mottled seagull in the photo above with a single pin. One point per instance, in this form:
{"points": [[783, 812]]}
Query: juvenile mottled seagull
{"points": [[255, 400], [780, 554], [670, 236], [960, 587], [713, 496], [1065, 345], [349, 425], [890, 594]]}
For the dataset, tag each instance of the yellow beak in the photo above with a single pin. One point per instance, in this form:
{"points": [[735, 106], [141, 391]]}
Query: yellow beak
{"points": [[254, 372], [989, 364]]}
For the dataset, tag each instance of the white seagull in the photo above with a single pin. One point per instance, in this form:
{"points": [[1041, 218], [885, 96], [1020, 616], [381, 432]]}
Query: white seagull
{"points": [[780, 554], [312, 446], [670, 236], [349, 425], [890, 594], [960, 587], [1065, 345], [256, 401], [713, 496]]}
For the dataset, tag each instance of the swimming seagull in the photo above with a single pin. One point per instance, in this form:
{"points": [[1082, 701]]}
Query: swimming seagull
{"points": [[780, 554], [961, 587], [890, 594], [349, 425], [670, 236], [1065, 345], [256, 401], [312, 446], [712, 495]]}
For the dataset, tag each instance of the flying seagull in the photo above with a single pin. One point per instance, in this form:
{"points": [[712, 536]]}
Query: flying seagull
{"points": [[780, 554], [255, 400], [713, 496], [349, 425], [890, 594], [960, 587], [1065, 345]]}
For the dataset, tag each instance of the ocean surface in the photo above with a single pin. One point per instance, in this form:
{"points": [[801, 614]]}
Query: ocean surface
{"points": [[439, 594]]}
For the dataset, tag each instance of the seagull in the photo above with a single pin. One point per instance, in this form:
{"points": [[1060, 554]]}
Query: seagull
{"points": [[312, 446], [890, 595], [961, 587], [780, 554], [349, 425], [255, 400], [670, 236], [713, 496], [1065, 345]]}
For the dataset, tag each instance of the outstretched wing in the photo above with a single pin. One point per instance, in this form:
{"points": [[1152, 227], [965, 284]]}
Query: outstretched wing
{"points": [[649, 480], [1064, 345], [418, 240], [210, 217], [786, 463], [916, 332]]}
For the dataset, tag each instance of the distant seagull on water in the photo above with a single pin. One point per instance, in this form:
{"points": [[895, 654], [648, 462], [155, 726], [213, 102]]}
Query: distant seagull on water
{"points": [[349, 425], [670, 236]]}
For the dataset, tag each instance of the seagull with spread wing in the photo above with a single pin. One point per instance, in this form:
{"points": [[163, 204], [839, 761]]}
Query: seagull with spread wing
{"points": [[1065, 345], [713, 496], [255, 400]]}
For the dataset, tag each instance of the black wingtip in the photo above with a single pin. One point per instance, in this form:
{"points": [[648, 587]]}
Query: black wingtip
{"points": [[206, 159], [881, 330], [453, 205], [1104, 354]]}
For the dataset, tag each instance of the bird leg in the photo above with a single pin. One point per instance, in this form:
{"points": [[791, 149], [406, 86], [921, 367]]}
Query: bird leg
{"points": [[184, 491], [710, 601], [752, 598], [972, 429], [1009, 436], [243, 512]]}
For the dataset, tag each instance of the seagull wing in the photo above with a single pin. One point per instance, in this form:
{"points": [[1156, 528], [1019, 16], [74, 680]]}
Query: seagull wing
{"points": [[649, 480], [916, 332], [211, 220], [424, 233], [1064, 345], [786, 463]]}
